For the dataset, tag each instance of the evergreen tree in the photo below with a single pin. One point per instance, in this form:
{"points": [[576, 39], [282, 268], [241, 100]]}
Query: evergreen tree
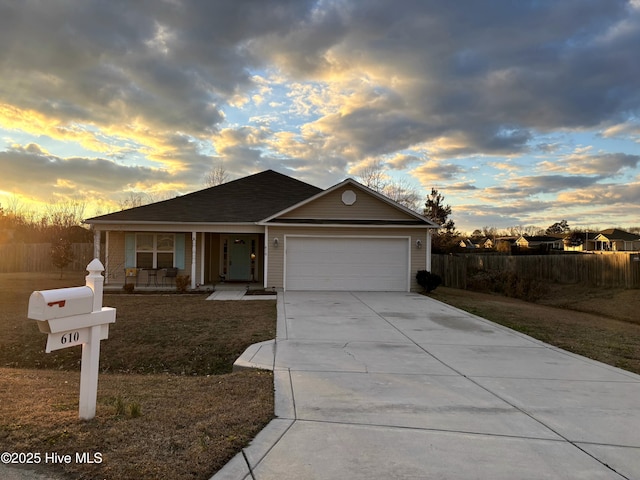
{"points": [[436, 210]]}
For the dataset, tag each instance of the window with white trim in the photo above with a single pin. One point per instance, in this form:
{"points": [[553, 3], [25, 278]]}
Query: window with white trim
{"points": [[155, 250]]}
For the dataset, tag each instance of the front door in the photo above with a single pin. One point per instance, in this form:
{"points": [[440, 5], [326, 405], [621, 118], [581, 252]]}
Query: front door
{"points": [[240, 258]]}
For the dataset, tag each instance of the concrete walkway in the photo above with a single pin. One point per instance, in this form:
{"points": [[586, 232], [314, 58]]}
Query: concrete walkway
{"points": [[398, 385], [237, 291]]}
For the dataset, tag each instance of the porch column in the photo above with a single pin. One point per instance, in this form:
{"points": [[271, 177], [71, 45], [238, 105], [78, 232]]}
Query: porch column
{"points": [[107, 269], [194, 236], [428, 247], [202, 255], [266, 255], [96, 244]]}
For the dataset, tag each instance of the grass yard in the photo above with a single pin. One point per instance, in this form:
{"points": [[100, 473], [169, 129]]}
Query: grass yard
{"points": [[168, 404], [602, 324]]}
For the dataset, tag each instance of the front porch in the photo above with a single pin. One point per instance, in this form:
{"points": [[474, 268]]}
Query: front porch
{"points": [[205, 288], [211, 258]]}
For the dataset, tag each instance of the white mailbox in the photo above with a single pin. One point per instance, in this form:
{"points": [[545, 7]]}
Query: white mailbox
{"points": [[75, 316], [51, 307]]}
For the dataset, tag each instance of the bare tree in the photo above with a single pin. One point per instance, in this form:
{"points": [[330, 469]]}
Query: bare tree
{"points": [[216, 176], [61, 254], [65, 213], [400, 191], [373, 176], [489, 232], [135, 199]]}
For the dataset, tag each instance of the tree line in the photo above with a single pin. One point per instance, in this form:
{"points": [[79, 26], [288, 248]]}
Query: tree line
{"points": [[60, 224], [58, 220]]}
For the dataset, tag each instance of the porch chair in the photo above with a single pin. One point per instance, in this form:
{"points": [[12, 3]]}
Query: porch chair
{"points": [[171, 274], [131, 273]]}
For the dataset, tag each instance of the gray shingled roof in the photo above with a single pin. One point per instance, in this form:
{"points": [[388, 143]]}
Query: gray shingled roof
{"points": [[617, 234], [248, 199]]}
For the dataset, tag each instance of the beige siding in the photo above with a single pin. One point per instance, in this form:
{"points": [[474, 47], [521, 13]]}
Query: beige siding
{"points": [[276, 254], [366, 207], [212, 262], [115, 258]]}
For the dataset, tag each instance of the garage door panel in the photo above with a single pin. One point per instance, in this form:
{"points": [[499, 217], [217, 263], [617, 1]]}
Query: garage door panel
{"points": [[338, 263]]}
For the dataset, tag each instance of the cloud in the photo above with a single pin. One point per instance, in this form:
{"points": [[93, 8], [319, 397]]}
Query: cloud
{"points": [[604, 165], [542, 66], [433, 173], [461, 187], [162, 90], [33, 172], [401, 161], [379, 77], [608, 194], [505, 166], [171, 65], [627, 129], [532, 185]]}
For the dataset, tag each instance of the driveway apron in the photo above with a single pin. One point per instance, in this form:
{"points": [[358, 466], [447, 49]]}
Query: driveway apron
{"points": [[374, 385]]}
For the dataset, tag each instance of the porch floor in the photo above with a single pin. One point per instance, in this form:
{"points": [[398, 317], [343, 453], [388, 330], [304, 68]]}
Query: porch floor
{"points": [[208, 288]]}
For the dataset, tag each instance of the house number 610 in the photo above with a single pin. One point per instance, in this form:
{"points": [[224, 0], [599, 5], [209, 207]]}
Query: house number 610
{"points": [[70, 337]]}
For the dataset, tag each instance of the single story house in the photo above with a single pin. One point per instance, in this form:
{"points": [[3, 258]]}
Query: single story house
{"points": [[467, 243], [274, 230], [485, 243], [580, 242], [536, 241], [617, 240]]}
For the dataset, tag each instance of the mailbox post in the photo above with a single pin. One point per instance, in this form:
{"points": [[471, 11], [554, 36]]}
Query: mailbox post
{"points": [[75, 316]]}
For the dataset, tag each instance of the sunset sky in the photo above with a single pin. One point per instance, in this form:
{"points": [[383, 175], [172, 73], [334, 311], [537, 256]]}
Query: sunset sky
{"points": [[519, 112]]}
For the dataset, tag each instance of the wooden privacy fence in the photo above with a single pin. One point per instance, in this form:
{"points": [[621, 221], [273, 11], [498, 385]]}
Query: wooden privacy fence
{"points": [[597, 270], [36, 257]]}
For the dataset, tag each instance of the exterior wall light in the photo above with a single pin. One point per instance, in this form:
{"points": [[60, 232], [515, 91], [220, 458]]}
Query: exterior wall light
{"points": [[276, 242], [419, 243]]}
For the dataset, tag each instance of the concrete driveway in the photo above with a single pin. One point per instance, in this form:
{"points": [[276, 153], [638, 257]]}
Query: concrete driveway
{"points": [[398, 385]]}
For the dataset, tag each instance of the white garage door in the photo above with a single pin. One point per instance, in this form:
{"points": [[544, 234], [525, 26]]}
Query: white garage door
{"points": [[339, 263]]}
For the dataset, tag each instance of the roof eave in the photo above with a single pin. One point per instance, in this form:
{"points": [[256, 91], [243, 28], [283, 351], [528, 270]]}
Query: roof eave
{"points": [[186, 225], [346, 225]]}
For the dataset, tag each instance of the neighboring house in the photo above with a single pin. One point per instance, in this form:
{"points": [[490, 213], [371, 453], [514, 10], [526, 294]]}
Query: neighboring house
{"points": [[275, 230], [467, 243], [504, 243], [486, 243], [617, 240], [582, 242], [536, 241]]}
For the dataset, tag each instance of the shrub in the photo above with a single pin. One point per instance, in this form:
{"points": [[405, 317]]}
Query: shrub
{"points": [[427, 280], [182, 283], [129, 287], [509, 284]]}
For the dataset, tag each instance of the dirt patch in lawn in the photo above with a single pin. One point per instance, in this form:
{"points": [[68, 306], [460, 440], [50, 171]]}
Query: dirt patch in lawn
{"points": [[598, 324], [168, 406]]}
